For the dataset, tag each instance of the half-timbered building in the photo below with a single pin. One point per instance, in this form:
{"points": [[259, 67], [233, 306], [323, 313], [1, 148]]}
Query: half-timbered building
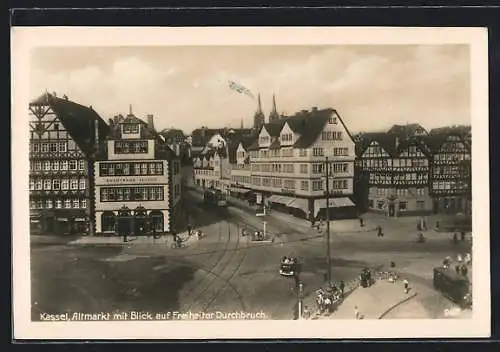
{"points": [[450, 172], [397, 171], [137, 181], [64, 136]]}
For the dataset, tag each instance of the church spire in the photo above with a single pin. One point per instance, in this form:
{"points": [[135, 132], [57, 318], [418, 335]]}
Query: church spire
{"points": [[273, 115], [259, 118], [130, 109]]}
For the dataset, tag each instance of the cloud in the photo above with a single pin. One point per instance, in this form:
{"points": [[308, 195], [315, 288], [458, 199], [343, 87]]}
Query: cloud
{"points": [[187, 87]]}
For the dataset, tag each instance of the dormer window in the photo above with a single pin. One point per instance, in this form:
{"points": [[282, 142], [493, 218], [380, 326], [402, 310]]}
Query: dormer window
{"points": [[332, 119], [130, 128]]}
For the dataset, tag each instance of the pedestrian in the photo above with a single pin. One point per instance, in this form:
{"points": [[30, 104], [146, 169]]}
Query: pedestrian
{"points": [[341, 287], [406, 285], [356, 313], [361, 222], [462, 235], [457, 268], [459, 258], [189, 229], [468, 258]]}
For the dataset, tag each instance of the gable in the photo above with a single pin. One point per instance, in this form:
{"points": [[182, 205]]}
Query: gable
{"points": [[374, 150], [240, 148]]}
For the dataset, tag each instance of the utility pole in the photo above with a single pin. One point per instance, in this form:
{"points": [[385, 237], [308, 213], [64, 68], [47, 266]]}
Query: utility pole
{"points": [[328, 264]]}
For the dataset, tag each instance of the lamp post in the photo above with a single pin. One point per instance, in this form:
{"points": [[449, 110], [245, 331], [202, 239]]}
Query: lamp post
{"points": [[328, 260]]}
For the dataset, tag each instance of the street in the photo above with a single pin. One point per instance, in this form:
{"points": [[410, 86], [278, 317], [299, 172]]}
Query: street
{"points": [[225, 272]]}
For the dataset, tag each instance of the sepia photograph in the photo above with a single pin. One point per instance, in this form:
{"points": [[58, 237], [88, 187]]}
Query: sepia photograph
{"points": [[203, 183]]}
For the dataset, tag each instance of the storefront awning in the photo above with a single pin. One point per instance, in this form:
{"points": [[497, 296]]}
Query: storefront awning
{"points": [[300, 203], [281, 199], [239, 190], [333, 203]]}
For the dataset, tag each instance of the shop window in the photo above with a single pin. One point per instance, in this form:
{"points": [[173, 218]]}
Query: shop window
{"points": [[108, 221], [157, 221]]}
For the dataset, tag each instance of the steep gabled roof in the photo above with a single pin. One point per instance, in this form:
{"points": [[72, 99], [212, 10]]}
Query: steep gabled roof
{"points": [[77, 119], [309, 124], [274, 128], [406, 131], [391, 143]]}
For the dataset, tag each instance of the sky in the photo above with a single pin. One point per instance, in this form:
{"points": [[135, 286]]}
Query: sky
{"points": [[372, 87]]}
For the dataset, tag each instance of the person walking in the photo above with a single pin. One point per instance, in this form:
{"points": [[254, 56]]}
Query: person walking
{"points": [[361, 222], [342, 288], [406, 285], [356, 313]]}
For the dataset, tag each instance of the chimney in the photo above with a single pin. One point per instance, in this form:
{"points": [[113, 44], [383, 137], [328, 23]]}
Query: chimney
{"points": [[151, 124], [315, 108], [54, 94]]}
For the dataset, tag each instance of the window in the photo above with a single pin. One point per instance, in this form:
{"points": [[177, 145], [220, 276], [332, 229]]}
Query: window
{"points": [[318, 152], [332, 119], [62, 147], [83, 203], [129, 128], [76, 203], [67, 203], [58, 204], [45, 147], [159, 168], [48, 204], [403, 206], [420, 205], [81, 164], [317, 168], [82, 184], [32, 184], [72, 164], [338, 168], [131, 147], [56, 184], [304, 185], [302, 152], [317, 185], [110, 194], [39, 204], [420, 191], [64, 183], [303, 168], [56, 126], [286, 137], [36, 147], [289, 184], [38, 165], [108, 221], [64, 165], [47, 184], [46, 166], [38, 184], [74, 183], [53, 147]]}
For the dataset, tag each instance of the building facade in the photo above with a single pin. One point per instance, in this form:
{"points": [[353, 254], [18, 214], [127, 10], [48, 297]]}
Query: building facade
{"points": [[288, 164], [398, 174], [63, 138], [450, 172], [410, 171], [137, 181]]}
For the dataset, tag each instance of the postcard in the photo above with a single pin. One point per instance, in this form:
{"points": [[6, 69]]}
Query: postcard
{"points": [[239, 183]]}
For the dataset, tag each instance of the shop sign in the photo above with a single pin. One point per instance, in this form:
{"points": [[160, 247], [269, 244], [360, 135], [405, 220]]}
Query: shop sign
{"points": [[131, 180]]}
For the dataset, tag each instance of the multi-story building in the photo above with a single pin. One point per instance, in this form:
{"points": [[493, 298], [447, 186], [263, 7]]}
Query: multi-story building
{"points": [[241, 172], [63, 138], [450, 171], [288, 164], [397, 173], [137, 181]]}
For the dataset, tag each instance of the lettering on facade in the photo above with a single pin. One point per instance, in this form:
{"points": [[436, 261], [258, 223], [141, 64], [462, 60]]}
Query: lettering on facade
{"points": [[130, 180]]}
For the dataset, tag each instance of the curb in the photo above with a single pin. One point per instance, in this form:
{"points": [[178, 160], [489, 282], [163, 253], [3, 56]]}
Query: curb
{"points": [[394, 306]]}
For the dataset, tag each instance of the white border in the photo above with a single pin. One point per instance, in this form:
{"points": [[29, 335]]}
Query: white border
{"points": [[26, 38]]}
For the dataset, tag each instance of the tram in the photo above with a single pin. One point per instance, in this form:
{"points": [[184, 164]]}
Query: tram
{"points": [[215, 197]]}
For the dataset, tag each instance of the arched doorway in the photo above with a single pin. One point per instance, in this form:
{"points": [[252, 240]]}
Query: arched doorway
{"points": [[140, 220], [156, 219], [108, 221]]}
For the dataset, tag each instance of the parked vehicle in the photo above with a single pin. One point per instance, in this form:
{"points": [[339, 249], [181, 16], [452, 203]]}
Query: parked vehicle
{"points": [[215, 197]]}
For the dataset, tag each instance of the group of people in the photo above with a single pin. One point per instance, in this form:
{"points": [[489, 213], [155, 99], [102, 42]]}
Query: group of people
{"points": [[326, 298], [288, 260], [461, 265]]}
